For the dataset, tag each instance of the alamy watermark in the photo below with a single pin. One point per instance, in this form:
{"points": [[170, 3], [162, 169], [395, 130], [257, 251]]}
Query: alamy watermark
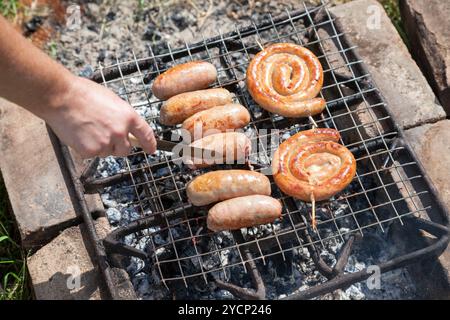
{"points": [[73, 17], [374, 20], [259, 146], [374, 281], [73, 281]]}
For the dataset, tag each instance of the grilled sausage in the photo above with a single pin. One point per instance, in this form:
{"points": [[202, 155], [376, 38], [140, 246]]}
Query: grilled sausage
{"points": [[217, 119], [184, 77], [231, 147], [180, 107], [226, 184], [285, 79], [312, 163], [243, 212]]}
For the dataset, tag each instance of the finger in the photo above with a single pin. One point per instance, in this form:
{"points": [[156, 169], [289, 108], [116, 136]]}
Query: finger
{"points": [[144, 133], [122, 147]]}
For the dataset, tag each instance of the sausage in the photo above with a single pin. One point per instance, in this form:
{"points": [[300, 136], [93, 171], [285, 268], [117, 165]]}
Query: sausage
{"points": [[243, 212], [180, 107], [232, 146], [184, 77], [312, 165], [226, 184], [285, 79], [217, 119]]}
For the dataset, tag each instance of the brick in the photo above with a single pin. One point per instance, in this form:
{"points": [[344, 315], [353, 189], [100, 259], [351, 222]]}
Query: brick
{"points": [[409, 97], [51, 267], [361, 114], [430, 143], [37, 191], [427, 26]]}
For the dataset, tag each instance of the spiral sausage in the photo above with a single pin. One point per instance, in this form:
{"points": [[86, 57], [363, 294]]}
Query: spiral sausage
{"points": [[184, 77], [311, 164], [226, 184], [243, 212], [285, 79], [180, 107], [217, 119]]}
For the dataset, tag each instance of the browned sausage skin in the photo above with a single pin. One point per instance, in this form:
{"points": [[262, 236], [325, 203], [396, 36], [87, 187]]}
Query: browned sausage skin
{"points": [[226, 184], [311, 164], [217, 119], [180, 107], [243, 212], [184, 77], [285, 79], [232, 146]]}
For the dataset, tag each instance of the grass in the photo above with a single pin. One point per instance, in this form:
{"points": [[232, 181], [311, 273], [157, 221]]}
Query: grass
{"points": [[52, 49], [393, 11], [13, 271], [9, 8]]}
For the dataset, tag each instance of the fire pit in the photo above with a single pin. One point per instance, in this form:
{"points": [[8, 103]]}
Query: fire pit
{"points": [[162, 240]]}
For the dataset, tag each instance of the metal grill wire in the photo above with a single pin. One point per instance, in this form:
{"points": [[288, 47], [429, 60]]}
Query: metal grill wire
{"points": [[370, 201]]}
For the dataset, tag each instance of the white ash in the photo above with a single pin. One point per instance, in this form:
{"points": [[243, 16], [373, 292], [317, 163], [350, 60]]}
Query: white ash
{"points": [[110, 166], [114, 215]]}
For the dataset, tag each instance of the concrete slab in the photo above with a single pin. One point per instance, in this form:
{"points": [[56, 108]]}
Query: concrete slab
{"points": [[431, 144], [37, 191], [410, 98], [428, 29], [54, 268], [362, 114], [413, 106]]}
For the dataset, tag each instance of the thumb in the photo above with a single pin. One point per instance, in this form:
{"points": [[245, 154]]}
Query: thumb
{"points": [[144, 133]]}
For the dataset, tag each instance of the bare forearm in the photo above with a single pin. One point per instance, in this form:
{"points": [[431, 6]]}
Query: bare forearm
{"points": [[84, 114], [28, 76]]}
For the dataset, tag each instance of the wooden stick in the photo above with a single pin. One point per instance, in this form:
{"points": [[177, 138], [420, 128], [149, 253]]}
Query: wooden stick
{"points": [[314, 123], [313, 215], [259, 44], [133, 140]]}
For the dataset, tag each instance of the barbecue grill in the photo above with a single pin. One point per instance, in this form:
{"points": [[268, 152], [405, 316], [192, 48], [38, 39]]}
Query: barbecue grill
{"points": [[179, 248]]}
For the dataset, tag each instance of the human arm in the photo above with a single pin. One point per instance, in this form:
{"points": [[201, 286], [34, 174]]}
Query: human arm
{"points": [[83, 114]]}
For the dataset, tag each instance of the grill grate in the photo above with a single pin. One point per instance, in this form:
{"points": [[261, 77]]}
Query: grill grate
{"points": [[178, 244]]}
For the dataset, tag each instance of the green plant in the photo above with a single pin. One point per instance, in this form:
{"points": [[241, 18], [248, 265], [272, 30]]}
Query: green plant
{"points": [[392, 8], [52, 49], [141, 4], [13, 271], [9, 8]]}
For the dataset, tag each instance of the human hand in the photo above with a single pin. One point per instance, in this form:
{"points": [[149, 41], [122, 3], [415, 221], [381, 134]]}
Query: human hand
{"points": [[96, 122]]}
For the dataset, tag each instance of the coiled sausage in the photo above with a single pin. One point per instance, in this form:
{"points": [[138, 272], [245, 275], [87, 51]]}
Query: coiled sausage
{"points": [[285, 79], [312, 165]]}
